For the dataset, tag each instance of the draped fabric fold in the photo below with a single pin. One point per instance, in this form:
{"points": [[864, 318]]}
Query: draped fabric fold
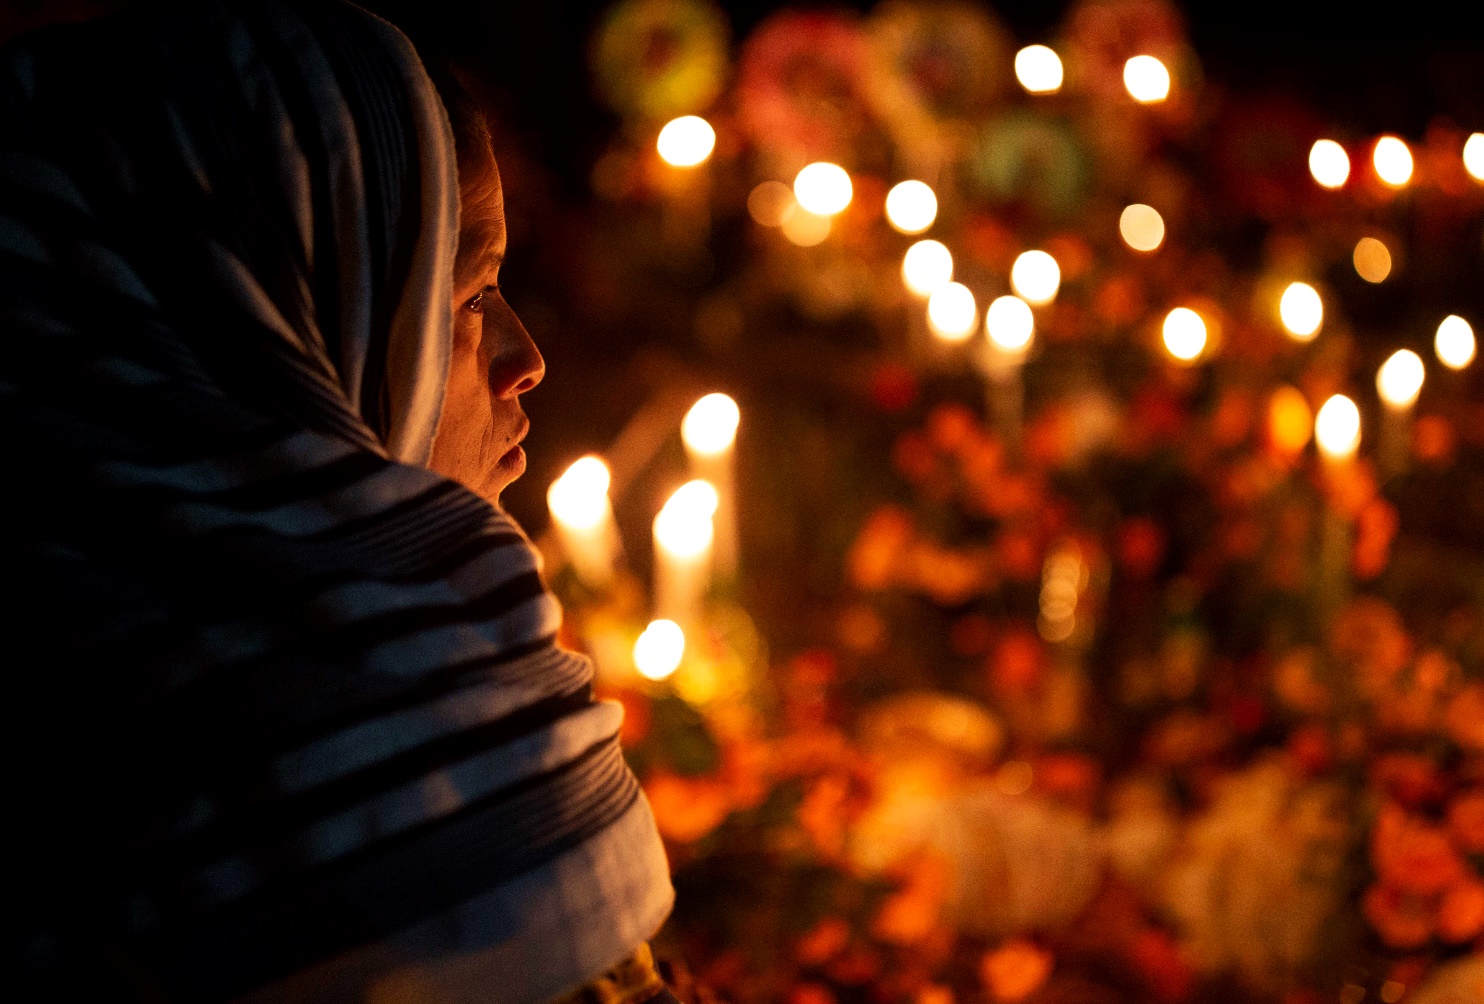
{"points": [[279, 695]]}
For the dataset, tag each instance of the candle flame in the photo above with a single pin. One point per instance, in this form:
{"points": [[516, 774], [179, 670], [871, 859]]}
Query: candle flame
{"points": [[683, 527], [710, 427], [1337, 427], [579, 498], [658, 650]]}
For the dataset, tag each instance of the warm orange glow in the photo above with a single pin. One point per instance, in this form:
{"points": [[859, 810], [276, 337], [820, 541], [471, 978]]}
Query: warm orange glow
{"points": [[1329, 163], [1372, 260], [1301, 311], [804, 228], [579, 498], [1454, 343], [1141, 227], [770, 202], [1035, 276], [1038, 69], [1009, 323], [911, 207], [683, 527], [1473, 156], [1147, 79], [1337, 427], [823, 188], [926, 266], [710, 427], [1399, 380], [1393, 161], [952, 312], [1184, 334], [686, 141], [1290, 420], [658, 651]]}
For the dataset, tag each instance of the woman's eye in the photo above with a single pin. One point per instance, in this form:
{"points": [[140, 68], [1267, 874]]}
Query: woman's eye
{"points": [[475, 303]]}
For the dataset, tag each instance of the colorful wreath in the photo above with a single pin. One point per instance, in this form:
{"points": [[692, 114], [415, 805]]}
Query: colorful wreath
{"points": [[937, 61], [800, 83], [661, 58], [1033, 159], [1102, 35]]}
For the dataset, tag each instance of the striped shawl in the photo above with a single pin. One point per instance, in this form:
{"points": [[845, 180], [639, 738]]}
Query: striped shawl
{"points": [[286, 712]]}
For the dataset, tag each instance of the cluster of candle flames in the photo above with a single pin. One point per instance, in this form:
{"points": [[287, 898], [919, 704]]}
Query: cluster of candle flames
{"points": [[694, 531], [685, 530]]}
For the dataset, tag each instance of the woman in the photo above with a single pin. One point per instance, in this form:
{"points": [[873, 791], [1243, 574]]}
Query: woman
{"points": [[284, 681]]}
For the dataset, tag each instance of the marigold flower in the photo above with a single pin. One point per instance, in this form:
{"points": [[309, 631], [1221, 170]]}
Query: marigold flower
{"points": [[1412, 856], [1461, 912], [1015, 970], [1466, 821], [1402, 920]]}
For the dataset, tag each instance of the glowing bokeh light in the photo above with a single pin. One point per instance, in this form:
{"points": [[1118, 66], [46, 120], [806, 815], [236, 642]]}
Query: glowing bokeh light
{"points": [[1038, 69], [1454, 343], [1473, 156], [686, 141], [952, 312], [579, 498], [1147, 79], [1329, 164], [1184, 334], [1009, 323], [823, 188], [710, 427], [1141, 227], [770, 202], [1301, 311], [1337, 427], [911, 207], [1372, 260], [658, 650], [683, 527], [926, 266], [1290, 420], [1036, 277], [1399, 380], [1392, 161], [804, 228]]}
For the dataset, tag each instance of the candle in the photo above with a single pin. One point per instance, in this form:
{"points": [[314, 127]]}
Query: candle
{"points": [[684, 144], [709, 432], [1009, 327], [1399, 382], [683, 538], [583, 515], [1337, 434]]}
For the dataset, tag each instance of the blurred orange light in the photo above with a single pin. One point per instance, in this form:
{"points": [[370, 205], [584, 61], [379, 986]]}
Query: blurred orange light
{"points": [[1141, 227], [1184, 334], [686, 141], [1038, 69], [952, 312], [1473, 156], [1290, 420], [1337, 427], [769, 202], [926, 266], [1372, 260], [804, 228], [911, 207], [1393, 161], [1147, 79], [823, 188], [1301, 311], [1329, 163]]}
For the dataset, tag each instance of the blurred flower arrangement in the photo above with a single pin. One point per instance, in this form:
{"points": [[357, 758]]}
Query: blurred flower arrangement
{"points": [[1145, 660]]}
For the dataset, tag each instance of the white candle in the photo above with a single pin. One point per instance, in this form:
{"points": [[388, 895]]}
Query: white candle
{"points": [[1009, 327], [1337, 434], [683, 538], [709, 432], [1399, 382], [583, 516]]}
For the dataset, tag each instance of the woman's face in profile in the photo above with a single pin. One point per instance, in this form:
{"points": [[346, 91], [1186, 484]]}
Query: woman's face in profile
{"points": [[494, 360]]}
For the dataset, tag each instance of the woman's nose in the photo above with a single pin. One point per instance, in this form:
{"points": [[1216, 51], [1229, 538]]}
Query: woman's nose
{"points": [[516, 365]]}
